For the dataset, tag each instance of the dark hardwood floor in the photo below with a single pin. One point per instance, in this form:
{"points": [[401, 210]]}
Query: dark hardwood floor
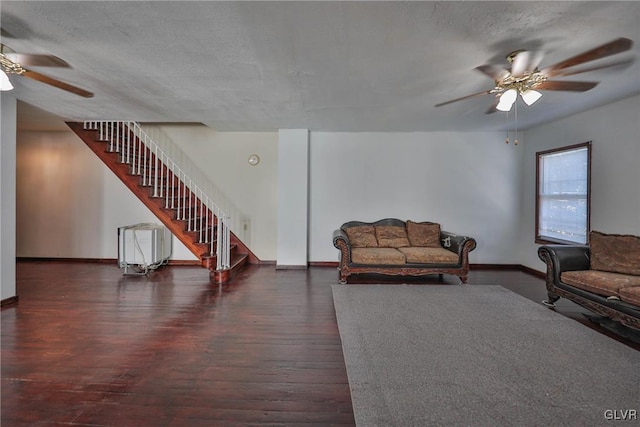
{"points": [[86, 346]]}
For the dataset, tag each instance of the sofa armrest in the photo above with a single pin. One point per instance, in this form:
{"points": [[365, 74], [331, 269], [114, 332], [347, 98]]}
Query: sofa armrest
{"points": [[340, 235], [341, 242], [560, 258], [457, 244]]}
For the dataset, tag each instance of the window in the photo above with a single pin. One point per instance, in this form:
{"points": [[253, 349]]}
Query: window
{"points": [[563, 191]]}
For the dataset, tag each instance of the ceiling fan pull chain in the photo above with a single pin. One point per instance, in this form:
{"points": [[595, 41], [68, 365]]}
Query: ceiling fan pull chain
{"points": [[507, 140], [515, 142]]}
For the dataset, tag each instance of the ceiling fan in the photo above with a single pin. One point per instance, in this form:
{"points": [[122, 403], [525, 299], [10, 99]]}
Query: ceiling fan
{"points": [[525, 79], [15, 63]]}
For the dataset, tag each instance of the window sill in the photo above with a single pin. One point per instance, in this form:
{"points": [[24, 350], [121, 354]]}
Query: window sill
{"points": [[550, 241]]}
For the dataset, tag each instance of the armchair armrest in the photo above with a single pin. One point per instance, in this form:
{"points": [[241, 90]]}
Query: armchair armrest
{"points": [[456, 243], [560, 258]]}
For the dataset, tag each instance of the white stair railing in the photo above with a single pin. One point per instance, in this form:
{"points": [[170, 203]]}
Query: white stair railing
{"points": [[240, 223], [169, 182]]}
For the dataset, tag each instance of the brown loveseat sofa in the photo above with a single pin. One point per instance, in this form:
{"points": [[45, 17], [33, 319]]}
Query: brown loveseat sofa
{"points": [[603, 276], [395, 247]]}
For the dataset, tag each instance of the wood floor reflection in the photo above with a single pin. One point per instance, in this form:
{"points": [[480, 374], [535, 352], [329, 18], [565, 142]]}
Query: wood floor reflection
{"points": [[86, 346]]}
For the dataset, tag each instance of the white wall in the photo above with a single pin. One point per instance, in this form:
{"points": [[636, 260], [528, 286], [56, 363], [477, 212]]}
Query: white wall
{"points": [[8, 197], [471, 183], [468, 182], [614, 130], [69, 204], [253, 189]]}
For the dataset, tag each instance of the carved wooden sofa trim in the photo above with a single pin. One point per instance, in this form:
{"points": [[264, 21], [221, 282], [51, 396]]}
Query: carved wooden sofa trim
{"points": [[603, 277], [397, 248]]}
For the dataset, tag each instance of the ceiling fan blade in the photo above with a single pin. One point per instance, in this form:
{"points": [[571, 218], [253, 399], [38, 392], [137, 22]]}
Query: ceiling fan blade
{"points": [[462, 98], [566, 86], [621, 64], [523, 62], [535, 59], [520, 63], [57, 83], [492, 109], [36, 60], [5, 33], [496, 72], [33, 59], [616, 46]]}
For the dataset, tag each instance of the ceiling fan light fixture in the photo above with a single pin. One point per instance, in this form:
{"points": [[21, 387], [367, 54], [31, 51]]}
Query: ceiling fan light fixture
{"points": [[507, 99], [530, 96], [524, 75], [5, 83]]}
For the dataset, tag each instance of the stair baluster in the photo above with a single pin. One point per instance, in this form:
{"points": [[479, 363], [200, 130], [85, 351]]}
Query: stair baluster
{"points": [[177, 191]]}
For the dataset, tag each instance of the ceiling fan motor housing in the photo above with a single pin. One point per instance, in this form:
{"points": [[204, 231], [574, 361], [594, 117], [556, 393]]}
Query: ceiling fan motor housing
{"points": [[10, 67], [521, 83]]}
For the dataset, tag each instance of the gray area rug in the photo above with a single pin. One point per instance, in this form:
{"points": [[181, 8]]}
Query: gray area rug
{"points": [[478, 356]]}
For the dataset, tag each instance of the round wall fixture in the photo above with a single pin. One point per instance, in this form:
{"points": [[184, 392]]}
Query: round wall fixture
{"points": [[253, 159]]}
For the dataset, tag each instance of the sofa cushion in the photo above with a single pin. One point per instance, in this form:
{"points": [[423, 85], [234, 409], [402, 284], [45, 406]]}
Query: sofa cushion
{"points": [[618, 253], [386, 256], [425, 234], [630, 294], [391, 236], [363, 236], [603, 283], [422, 255]]}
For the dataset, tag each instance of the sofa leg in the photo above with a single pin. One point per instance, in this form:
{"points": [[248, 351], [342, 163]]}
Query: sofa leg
{"points": [[550, 302], [463, 279], [343, 278]]}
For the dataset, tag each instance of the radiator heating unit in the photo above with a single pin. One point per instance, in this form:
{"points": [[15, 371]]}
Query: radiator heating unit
{"points": [[143, 247]]}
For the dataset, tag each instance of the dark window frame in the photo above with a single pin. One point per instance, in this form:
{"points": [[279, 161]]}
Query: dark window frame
{"points": [[549, 240]]}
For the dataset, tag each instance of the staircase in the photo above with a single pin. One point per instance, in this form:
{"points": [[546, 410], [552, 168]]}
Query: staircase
{"points": [[174, 198]]}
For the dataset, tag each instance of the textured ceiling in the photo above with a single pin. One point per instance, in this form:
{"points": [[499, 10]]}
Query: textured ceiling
{"points": [[335, 66]]}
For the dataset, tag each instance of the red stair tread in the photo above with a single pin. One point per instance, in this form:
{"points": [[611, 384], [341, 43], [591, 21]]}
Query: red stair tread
{"points": [[240, 254]]}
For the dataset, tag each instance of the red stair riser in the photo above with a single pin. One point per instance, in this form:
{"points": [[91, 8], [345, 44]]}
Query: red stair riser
{"points": [[143, 187]]}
